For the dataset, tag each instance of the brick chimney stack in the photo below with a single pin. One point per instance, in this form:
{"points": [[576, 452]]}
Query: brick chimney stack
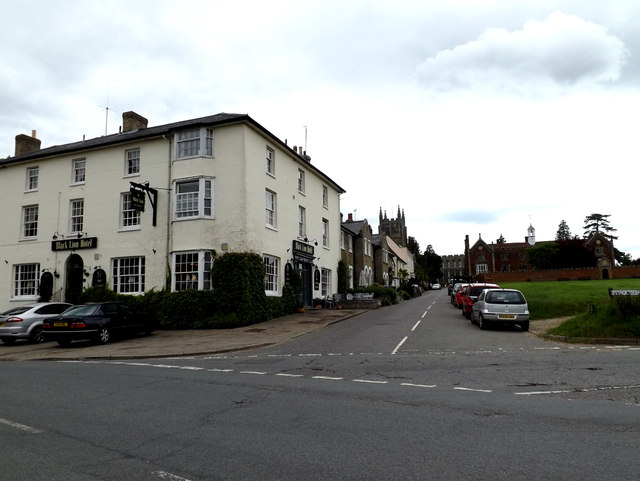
{"points": [[133, 121], [26, 144]]}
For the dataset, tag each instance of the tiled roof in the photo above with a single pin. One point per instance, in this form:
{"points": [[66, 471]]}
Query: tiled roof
{"points": [[158, 131]]}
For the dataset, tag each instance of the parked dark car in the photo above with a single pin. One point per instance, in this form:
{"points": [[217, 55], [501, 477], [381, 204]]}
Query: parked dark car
{"points": [[25, 322], [96, 321]]}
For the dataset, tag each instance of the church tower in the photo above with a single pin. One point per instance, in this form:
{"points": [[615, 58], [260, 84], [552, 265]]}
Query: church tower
{"points": [[394, 228]]}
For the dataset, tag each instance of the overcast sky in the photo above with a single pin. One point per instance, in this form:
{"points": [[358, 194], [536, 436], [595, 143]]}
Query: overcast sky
{"points": [[476, 117]]}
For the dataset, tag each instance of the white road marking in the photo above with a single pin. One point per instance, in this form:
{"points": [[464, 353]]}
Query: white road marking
{"points": [[472, 390], [21, 427], [169, 476], [370, 381], [219, 370], [257, 373], [400, 345], [192, 368], [417, 385], [284, 374], [416, 326], [534, 393], [327, 378]]}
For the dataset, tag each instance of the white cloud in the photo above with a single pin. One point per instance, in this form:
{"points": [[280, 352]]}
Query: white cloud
{"points": [[563, 50]]}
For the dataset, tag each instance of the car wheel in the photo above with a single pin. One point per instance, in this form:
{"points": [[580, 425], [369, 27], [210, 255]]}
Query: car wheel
{"points": [[482, 324], [104, 335], [8, 340], [524, 326], [64, 342], [36, 335]]}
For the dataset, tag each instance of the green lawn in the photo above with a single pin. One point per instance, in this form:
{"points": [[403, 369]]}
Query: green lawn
{"points": [[553, 299]]}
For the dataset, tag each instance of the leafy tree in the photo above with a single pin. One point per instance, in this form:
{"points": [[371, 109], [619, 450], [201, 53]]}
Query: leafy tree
{"points": [[413, 246], [598, 223], [430, 264], [563, 232], [544, 255], [403, 275], [624, 259], [572, 253]]}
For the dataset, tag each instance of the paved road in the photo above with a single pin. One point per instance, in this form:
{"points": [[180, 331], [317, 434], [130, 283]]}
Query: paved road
{"points": [[407, 392]]}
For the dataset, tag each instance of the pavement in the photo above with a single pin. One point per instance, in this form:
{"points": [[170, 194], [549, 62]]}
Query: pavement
{"points": [[183, 343], [199, 342]]}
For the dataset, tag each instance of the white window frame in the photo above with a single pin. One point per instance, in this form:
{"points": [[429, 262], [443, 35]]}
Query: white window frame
{"points": [[271, 161], [342, 244], [132, 162], [325, 279], [325, 197], [272, 274], [33, 174], [271, 205], [301, 181], [191, 270], [128, 275], [129, 217], [350, 277], [199, 203], [30, 221], [350, 240], [325, 233], [302, 221], [25, 281], [482, 268], [194, 143], [76, 216], [79, 171]]}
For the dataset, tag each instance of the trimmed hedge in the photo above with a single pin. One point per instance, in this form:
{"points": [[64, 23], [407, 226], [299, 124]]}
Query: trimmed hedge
{"points": [[237, 298]]}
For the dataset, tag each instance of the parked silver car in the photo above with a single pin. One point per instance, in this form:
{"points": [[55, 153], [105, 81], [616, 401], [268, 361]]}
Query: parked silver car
{"points": [[25, 322], [500, 306]]}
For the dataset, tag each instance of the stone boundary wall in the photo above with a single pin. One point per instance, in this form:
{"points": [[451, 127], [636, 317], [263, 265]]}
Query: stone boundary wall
{"points": [[359, 304], [583, 274]]}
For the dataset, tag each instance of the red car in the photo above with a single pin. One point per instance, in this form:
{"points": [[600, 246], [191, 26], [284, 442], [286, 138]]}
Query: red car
{"points": [[456, 296], [470, 294]]}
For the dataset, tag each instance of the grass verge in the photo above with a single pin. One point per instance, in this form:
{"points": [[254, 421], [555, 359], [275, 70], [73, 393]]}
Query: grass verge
{"points": [[608, 317]]}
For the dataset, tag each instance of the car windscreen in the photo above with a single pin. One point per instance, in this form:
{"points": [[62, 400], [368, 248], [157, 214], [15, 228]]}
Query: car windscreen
{"points": [[505, 297], [85, 310]]}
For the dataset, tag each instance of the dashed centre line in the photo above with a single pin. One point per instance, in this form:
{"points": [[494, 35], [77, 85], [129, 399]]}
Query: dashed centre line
{"points": [[329, 378], [21, 427]]}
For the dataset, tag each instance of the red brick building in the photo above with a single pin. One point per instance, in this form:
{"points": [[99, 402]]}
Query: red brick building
{"points": [[507, 261]]}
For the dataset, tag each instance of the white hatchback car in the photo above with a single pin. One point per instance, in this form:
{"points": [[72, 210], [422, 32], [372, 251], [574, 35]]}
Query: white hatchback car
{"points": [[500, 306], [25, 322]]}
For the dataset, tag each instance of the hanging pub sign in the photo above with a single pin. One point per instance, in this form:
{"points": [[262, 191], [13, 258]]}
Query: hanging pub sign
{"points": [[316, 279], [137, 199], [138, 192]]}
